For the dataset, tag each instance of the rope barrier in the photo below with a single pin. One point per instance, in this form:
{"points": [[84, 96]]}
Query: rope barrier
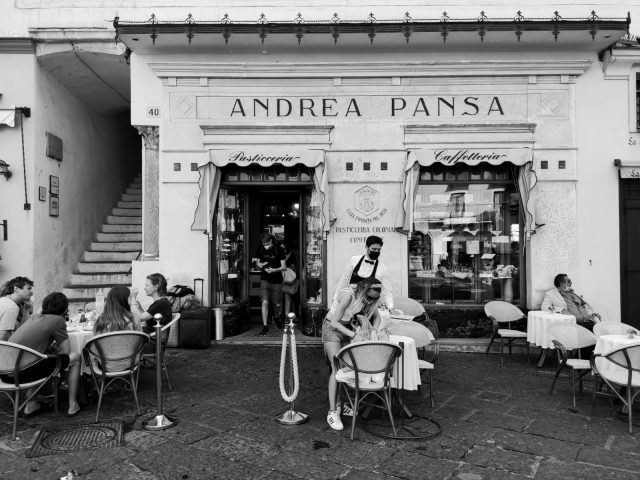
{"points": [[294, 366], [290, 417]]}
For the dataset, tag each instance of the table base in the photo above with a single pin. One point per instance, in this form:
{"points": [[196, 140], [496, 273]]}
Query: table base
{"points": [[415, 428]]}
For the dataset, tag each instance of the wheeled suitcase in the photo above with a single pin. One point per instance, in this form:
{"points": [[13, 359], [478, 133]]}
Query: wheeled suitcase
{"points": [[195, 328]]}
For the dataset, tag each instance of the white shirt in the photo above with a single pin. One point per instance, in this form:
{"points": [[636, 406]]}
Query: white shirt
{"points": [[9, 312], [382, 274]]}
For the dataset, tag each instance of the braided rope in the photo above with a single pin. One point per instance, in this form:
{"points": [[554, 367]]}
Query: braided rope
{"points": [[294, 366]]}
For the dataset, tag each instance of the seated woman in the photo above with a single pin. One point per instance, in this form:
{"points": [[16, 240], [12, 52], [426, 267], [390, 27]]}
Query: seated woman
{"points": [[46, 332], [117, 313], [156, 288], [351, 306]]}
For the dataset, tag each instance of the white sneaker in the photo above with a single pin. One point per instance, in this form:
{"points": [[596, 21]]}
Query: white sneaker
{"points": [[333, 419], [347, 411]]}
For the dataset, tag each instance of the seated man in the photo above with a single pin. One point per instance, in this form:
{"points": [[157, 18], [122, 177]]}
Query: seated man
{"points": [[39, 332], [15, 294], [563, 297]]}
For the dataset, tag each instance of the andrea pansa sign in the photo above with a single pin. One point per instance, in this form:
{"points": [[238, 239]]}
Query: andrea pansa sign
{"points": [[435, 107]]}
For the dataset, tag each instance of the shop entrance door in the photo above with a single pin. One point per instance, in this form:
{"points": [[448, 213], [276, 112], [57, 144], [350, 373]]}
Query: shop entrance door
{"points": [[629, 252], [284, 203]]}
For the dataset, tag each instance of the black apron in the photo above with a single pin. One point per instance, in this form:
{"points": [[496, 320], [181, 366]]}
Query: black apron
{"points": [[356, 278]]}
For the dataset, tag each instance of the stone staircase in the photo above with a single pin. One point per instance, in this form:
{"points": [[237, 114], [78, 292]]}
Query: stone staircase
{"points": [[107, 263]]}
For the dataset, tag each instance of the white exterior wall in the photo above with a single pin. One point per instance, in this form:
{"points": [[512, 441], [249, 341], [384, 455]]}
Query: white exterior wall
{"points": [[18, 90]]}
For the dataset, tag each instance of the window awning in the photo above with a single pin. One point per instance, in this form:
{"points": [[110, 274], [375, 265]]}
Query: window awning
{"points": [[210, 176], [520, 157]]}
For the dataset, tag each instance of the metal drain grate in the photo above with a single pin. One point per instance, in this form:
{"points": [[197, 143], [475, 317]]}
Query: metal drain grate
{"points": [[72, 438]]}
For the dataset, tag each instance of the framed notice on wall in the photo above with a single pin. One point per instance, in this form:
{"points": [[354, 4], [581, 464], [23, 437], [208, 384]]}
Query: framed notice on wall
{"points": [[42, 194], [54, 206], [54, 185]]}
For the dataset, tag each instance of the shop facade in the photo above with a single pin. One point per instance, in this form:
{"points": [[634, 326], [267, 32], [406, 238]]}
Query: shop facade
{"points": [[470, 158]]}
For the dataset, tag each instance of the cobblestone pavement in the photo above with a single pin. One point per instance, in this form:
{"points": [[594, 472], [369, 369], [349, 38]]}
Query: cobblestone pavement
{"points": [[498, 422]]}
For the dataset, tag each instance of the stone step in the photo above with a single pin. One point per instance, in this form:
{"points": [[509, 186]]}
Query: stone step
{"points": [[110, 256], [126, 204], [127, 212], [104, 267], [129, 197], [121, 220], [119, 237], [133, 191], [122, 228], [116, 246], [100, 279], [85, 293]]}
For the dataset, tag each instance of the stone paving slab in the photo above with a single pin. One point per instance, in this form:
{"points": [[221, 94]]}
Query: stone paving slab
{"points": [[498, 422]]}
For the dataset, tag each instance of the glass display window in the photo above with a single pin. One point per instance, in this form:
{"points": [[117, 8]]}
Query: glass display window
{"points": [[314, 251], [465, 247], [229, 287]]}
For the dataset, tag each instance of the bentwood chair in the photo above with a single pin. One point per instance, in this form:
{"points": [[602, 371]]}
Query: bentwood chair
{"points": [[364, 371], [613, 328], [505, 313], [150, 358], [409, 306], [625, 372], [115, 356], [15, 358], [428, 349], [567, 337]]}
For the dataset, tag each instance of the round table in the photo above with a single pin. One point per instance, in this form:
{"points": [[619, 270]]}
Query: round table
{"points": [[538, 323]]}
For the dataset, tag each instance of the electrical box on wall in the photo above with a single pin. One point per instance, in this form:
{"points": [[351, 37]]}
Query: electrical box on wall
{"points": [[54, 147]]}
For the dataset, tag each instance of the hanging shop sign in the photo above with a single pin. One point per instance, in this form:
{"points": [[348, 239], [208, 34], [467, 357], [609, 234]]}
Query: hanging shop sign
{"points": [[630, 172], [471, 156]]}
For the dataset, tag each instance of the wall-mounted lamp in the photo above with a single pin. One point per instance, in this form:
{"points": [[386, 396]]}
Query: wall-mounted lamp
{"points": [[4, 169]]}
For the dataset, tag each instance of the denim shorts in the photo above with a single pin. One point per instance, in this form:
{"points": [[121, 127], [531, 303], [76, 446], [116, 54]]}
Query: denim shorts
{"points": [[330, 334]]}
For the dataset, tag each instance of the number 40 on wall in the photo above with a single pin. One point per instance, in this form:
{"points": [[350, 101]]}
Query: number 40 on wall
{"points": [[153, 112]]}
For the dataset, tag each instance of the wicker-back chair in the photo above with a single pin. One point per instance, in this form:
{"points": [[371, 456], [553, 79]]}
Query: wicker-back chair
{"points": [[503, 314], [627, 375], [568, 337], [367, 369], [613, 328], [14, 359], [112, 356], [150, 358], [426, 345]]}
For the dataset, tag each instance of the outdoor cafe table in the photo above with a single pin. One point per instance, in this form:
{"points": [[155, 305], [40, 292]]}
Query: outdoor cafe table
{"points": [[538, 323]]}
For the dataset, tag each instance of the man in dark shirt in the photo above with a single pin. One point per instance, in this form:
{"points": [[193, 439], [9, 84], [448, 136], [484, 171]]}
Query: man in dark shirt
{"points": [[272, 263]]}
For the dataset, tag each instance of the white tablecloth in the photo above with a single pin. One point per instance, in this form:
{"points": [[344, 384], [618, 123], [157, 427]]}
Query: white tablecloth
{"points": [[608, 343], [538, 322], [409, 360], [78, 338]]}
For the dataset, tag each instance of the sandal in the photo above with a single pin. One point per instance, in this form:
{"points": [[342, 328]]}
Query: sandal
{"points": [[75, 412], [43, 407]]}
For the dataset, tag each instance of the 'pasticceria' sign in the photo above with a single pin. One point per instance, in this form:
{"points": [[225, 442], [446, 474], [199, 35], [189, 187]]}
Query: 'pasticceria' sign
{"points": [[374, 106]]}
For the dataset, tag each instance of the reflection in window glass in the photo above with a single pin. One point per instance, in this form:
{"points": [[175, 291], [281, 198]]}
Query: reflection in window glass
{"points": [[465, 245]]}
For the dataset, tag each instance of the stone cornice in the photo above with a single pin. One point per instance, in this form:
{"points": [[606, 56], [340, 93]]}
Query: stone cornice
{"points": [[367, 69], [617, 63]]}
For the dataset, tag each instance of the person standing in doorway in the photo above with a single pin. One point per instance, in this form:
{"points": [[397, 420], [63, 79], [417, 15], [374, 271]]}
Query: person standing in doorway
{"points": [[290, 262], [15, 295], [367, 266], [271, 261]]}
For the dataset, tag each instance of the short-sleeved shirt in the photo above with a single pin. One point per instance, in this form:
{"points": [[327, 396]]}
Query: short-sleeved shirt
{"points": [[161, 306], [273, 257], [9, 312], [40, 330]]}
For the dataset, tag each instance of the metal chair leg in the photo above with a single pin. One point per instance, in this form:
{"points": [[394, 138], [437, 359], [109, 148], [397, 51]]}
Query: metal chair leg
{"points": [[555, 379], [166, 374], [135, 393], [387, 398], [100, 394], [16, 407], [493, 336], [573, 385], [355, 413]]}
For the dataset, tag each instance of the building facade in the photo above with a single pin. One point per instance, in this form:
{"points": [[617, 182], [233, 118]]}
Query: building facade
{"points": [[481, 150]]}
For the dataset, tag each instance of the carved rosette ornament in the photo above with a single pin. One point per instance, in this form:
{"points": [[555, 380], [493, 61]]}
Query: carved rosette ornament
{"points": [[150, 135]]}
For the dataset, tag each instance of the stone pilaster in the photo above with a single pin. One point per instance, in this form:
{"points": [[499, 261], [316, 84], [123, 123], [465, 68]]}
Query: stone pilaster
{"points": [[150, 193]]}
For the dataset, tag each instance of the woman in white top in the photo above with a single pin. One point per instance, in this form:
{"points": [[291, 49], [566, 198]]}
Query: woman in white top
{"points": [[352, 307]]}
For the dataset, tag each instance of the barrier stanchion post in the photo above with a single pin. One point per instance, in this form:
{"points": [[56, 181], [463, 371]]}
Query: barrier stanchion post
{"points": [[160, 421], [290, 416]]}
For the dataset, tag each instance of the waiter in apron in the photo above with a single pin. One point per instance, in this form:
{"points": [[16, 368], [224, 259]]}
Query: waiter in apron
{"points": [[367, 266]]}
